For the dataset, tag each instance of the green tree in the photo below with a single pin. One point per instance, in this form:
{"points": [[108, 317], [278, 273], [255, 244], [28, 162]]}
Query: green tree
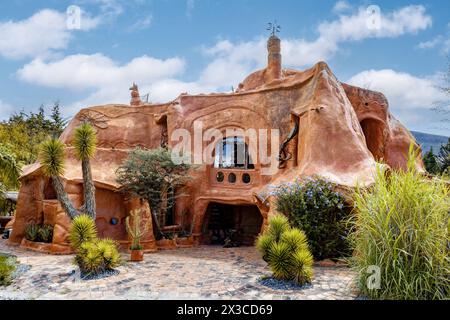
{"points": [[150, 175], [57, 121], [443, 157], [430, 162], [9, 169]]}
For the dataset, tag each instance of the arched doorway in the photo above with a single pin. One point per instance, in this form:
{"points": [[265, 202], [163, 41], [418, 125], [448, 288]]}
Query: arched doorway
{"points": [[224, 222], [373, 130]]}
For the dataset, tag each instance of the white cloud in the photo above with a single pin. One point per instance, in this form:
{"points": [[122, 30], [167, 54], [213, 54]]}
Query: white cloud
{"points": [[232, 61], [440, 42], [45, 30], [142, 23], [410, 98], [341, 6]]}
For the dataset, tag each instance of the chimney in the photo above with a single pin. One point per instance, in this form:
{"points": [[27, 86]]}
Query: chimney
{"points": [[135, 97], [274, 58]]}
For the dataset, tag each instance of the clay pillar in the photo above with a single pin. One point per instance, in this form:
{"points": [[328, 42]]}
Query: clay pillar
{"points": [[274, 58]]}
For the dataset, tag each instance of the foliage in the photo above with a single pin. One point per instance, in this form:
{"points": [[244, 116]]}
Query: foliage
{"points": [[32, 232], [314, 207], [23, 132], [150, 175], [444, 158], [286, 251], [430, 162], [84, 141], [9, 168], [7, 267], [51, 157], [135, 229], [45, 233], [93, 255], [402, 227], [83, 230], [39, 232], [96, 256]]}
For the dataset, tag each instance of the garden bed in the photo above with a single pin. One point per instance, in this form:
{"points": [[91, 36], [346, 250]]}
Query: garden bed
{"points": [[44, 247]]}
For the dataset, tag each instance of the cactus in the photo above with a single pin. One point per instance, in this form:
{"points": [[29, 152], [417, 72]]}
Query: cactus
{"points": [[135, 229]]}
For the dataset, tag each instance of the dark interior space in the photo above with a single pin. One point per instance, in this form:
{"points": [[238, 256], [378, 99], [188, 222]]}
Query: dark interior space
{"points": [[374, 133], [231, 225]]}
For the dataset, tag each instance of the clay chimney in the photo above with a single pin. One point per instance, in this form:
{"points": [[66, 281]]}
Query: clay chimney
{"points": [[274, 58], [135, 97]]}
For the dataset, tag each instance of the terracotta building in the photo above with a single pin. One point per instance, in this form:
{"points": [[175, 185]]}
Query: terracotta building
{"points": [[326, 128]]}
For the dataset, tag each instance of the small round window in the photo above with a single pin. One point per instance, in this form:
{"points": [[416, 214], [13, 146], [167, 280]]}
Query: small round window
{"points": [[220, 176], [246, 178], [231, 178]]}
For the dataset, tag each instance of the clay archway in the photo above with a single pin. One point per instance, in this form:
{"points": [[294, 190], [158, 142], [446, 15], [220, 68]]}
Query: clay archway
{"points": [[373, 130]]}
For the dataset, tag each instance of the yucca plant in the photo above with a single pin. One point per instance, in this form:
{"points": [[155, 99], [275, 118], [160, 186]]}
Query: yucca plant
{"points": [[401, 227], [84, 142], [83, 230], [286, 251], [7, 266], [51, 157], [97, 256]]}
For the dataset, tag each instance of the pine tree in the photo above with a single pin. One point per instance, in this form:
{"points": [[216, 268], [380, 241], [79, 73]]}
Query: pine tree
{"points": [[444, 158], [430, 162], [57, 121]]}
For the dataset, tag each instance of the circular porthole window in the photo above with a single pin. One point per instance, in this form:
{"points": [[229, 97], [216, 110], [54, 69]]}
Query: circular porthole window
{"points": [[220, 176], [246, 178], [114, 221], [231, 178]]}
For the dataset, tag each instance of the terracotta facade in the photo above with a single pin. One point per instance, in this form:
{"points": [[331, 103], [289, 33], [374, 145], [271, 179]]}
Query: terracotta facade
{"points": [[326, 128]]}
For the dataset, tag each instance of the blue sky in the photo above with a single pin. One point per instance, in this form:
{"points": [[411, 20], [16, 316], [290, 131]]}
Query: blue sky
{"points": [[174, 46]]}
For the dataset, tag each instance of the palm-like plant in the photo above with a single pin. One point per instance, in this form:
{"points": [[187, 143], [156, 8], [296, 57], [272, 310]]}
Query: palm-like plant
{"points": [[84, 142], [51, 157]]}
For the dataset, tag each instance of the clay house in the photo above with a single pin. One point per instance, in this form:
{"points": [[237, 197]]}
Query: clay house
{"points": [[323, 127]]}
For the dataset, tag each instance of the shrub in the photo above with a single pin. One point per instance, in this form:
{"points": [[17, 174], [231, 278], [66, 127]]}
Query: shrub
{"points": [[286, 251], [39, 232], [45, 233], [32, 232], [93, 255], [7, 267], [83, 230], [313, 206], [97, 256], [402, 227]]}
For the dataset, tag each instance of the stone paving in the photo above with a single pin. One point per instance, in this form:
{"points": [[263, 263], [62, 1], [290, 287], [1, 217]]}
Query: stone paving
{"points": [[205, 272]]}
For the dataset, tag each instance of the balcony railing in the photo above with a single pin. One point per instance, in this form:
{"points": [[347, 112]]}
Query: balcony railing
{"points": [[233, 177]]}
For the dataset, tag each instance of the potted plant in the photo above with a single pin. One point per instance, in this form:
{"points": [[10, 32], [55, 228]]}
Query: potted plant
{"points": [[136, 231]]}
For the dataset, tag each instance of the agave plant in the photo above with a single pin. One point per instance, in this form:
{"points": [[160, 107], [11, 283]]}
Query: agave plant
{"points": [[51, 157], [84, 142]]}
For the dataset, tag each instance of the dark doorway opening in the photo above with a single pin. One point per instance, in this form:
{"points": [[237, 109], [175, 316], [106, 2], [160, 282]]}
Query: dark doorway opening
{"points": [[374, 133], [231, 225]]}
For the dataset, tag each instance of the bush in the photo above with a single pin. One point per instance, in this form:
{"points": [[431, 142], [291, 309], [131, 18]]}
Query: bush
{"points": [[7, 267], [32, 232], [39, 233], [286, 251], [402, 227], [93, 255], [97, 256], [83, 230], [314, 207], [45, 233]]}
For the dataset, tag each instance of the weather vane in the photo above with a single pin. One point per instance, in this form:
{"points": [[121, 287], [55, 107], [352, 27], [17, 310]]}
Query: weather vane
{"points": [[273, 27]]}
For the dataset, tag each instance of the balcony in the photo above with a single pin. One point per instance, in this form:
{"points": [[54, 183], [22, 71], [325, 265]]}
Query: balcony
{"points": [[233, 177]]}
